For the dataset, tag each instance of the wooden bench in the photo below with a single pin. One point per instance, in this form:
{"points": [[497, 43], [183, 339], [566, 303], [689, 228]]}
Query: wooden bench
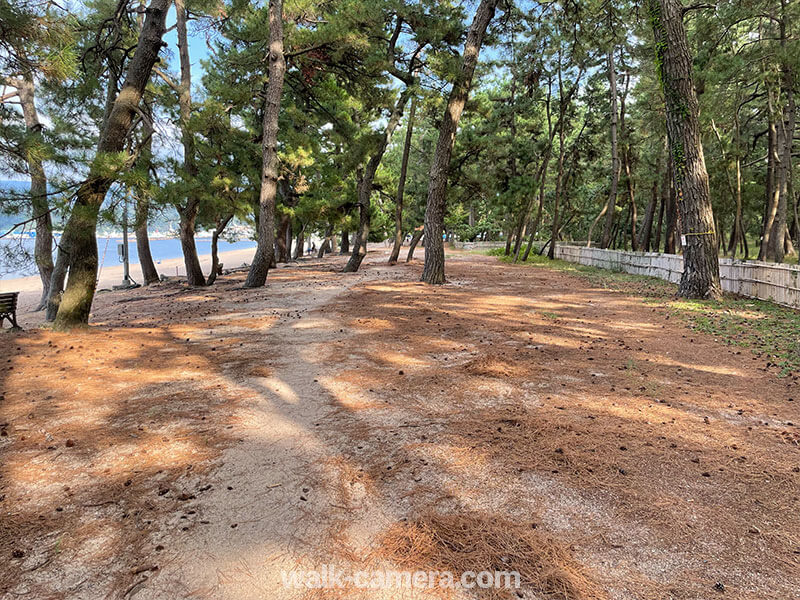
{"points": [[8, 308]]}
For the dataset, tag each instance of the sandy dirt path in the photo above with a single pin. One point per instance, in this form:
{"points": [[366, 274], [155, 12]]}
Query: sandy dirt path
{"points": [[197, 443]]}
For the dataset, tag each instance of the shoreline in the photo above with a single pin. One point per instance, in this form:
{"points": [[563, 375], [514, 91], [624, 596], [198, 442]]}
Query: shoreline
{"points": [[30, 287]]}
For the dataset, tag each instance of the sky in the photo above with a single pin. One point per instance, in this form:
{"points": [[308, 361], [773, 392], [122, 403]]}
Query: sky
{"points": [[198, 50]]}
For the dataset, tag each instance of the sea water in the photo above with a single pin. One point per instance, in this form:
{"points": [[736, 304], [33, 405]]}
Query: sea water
{"points": [[161, 249]]}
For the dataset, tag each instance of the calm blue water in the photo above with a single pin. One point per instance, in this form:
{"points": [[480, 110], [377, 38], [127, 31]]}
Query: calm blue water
{"points": [[11, 267], [107, 252]]}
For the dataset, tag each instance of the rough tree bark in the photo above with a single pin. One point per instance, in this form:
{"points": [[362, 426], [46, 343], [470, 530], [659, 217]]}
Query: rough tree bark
{"points": [[433, 271], [43, 247], [344, 246], [79, 240], [700, 277], [264, 256], [401, 186], [281, 235]]}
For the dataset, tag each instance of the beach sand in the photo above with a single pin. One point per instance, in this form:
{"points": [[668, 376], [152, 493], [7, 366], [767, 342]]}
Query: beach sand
{"points": [[30, 288]]}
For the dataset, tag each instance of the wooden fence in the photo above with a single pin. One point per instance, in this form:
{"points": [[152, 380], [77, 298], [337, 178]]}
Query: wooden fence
{"points": [[766, 281]]}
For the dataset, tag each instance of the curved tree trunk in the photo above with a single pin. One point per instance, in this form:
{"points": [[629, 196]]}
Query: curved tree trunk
{"points": [[43, 248], [80, 232], [433, 271], [365, 185], [194, 272], [415, 238], [216, 267], [265, 252], [700, 277], [57, 280], [401, 186]]}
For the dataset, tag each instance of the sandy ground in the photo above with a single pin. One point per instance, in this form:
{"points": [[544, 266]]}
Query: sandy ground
{"points": [[197, 443], [111, 275]]}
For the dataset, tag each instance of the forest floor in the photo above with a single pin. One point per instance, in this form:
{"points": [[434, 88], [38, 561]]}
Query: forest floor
{"points": [[196, 443]]}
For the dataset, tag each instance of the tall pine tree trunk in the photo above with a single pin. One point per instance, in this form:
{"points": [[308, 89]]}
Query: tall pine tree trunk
{"points": [[627, 166], [43, 247], [148, 266], [700, 277], [777, 247], [401, 186], [551, 252], [264, 256], [79, 239], [281, 235], [771, 188], [615, 163], [670, 243], [188, 211], [142, 205], [433, 271]]}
